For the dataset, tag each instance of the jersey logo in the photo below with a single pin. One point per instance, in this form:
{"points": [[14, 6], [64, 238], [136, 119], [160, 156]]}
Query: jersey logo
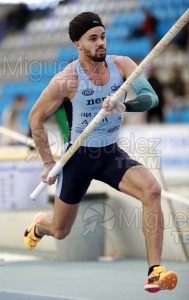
{"points": [[115, 87], [85, 115], [87, 92], [95, 101]]}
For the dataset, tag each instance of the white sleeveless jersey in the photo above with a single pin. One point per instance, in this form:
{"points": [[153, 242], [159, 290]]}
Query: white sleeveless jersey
{"points": [[86, 104]]}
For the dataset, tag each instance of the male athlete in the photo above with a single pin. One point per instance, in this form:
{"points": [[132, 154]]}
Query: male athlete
{"points": [[82, 88]]}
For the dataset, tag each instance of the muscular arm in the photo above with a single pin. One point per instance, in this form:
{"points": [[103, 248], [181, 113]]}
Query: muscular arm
{"points": [[45, 106], [146, 96], [48, 102]]}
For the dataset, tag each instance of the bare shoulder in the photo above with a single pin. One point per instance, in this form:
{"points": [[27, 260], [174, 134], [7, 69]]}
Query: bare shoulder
{"points": [[124, 64], [64, 84]]}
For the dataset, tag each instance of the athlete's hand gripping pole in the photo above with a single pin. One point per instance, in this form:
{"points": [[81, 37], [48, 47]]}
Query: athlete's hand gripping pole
{"points": [[115, 98]]}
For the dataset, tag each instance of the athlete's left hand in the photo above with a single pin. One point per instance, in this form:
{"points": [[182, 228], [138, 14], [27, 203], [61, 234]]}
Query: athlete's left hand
{"points": [[44, 174], [112, 109]]}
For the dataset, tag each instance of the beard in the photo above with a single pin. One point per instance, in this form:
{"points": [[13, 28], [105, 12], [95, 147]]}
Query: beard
{"points": [[96, 57]]}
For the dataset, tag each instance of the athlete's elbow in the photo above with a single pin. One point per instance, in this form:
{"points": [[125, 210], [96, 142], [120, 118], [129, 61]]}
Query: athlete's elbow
{"points": [[30, 118], [155, 100], [35, 118]]}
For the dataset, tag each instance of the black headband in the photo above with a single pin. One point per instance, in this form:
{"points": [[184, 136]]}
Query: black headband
{"points": [[79, 31]]}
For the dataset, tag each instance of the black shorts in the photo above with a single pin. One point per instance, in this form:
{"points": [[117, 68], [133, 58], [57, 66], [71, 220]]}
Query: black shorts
{"points": [[107, 164]]}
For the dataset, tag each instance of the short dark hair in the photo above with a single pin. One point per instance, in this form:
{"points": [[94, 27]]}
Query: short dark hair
{"points": [[82, 23]]}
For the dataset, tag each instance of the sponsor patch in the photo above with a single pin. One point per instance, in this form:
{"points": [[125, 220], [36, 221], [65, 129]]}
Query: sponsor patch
{"points": [[87, 92]]}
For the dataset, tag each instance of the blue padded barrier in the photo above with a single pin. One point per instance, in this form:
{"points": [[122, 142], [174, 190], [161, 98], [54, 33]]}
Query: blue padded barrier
{"points": [[185, 115], [172, 116]]}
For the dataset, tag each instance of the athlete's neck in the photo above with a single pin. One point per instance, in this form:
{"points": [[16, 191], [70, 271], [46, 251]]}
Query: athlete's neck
{"points": [[90, 67]]}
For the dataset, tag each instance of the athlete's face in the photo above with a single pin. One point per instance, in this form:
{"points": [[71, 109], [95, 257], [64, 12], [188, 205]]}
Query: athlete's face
{"points": [[93, 44]]}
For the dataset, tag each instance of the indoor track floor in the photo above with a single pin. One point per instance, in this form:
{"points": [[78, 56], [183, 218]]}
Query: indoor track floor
{"points": [[45, 278]]}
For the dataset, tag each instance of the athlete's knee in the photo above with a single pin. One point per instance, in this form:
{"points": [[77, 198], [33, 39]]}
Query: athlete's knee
{"points": [[61, 233], [155, 190], [152, 193]]}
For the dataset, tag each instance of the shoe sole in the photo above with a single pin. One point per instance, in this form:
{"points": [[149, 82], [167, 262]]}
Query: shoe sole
{"points": [[152, 288], [168, 281]]}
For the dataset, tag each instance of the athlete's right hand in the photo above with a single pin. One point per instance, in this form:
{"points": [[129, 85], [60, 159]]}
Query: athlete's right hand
{"points": [[44, 174], [112, 108]]}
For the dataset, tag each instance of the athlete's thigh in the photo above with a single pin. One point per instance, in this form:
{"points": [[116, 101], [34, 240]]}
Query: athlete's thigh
{"points": [[75, 177], [116, 163], [64, 214], [136, 181]]}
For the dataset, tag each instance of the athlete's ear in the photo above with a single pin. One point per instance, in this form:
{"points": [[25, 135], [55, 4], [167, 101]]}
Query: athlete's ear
{"points": [[78, 45]]}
